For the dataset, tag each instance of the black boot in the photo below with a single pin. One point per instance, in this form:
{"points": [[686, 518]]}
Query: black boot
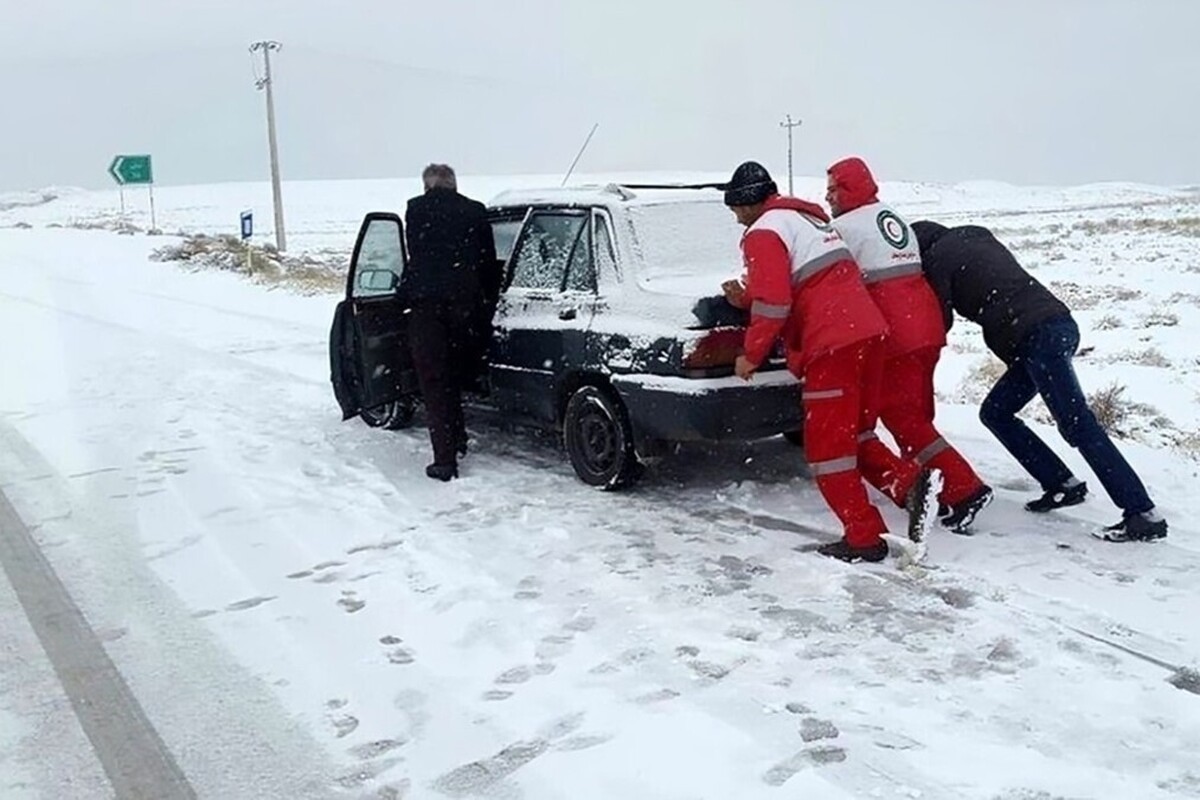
{"points": [[922, 504], [1062, 497], [442, 472], [842, 551], [1144, 527], [961, 515]]}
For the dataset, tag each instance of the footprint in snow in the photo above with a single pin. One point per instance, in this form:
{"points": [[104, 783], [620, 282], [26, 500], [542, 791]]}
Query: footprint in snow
{"points": [[784, 771], [242, 605], [660, 696], [709, 670], [529, 588], [581, 624], [553, 646], [743, 634], [344, 725], [401, 656], [813, 729], [514, 676], [370, 750], [351, 604]]}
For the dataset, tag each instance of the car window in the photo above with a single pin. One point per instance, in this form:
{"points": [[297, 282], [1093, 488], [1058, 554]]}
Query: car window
{"points": [[545, 248], [380, 263], [504, 232], [581, 273], [606, 254]]}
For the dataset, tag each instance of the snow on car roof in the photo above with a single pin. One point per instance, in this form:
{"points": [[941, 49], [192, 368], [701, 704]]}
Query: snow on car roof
{"points": [[604, 195]]}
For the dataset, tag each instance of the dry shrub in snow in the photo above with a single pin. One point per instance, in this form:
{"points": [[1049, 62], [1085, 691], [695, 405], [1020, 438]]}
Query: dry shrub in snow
{"points": [[1179, 226], [1123, 417], [1158, 318], [1082, 297], [1108, 322], [1189, 445], [1152, 357], [981, 378], [1111, 407], [306, 273]]}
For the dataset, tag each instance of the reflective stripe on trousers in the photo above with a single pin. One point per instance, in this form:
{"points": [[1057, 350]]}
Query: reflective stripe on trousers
{"points": [[833, 466], [931, 450], [826, 394]]}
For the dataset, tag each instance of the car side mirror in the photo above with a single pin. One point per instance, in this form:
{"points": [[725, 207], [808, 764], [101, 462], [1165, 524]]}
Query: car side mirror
{"points": [[378, 281]]}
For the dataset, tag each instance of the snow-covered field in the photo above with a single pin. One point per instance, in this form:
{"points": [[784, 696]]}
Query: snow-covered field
{"points": [[301, 613]]}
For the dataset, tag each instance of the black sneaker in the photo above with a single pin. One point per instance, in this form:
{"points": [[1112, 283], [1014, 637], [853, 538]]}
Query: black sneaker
{"points": [[1135, 528], [963, 514], [442, 472], [1059, 498], [922, 503], [842, 551]]}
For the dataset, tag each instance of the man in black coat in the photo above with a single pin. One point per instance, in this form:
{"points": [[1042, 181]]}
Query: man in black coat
{"points": [[1033, 332], [451, 284]]}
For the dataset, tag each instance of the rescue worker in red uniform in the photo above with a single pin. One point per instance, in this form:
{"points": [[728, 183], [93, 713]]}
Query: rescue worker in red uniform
{"points": [[802, 286], [889, 256]]}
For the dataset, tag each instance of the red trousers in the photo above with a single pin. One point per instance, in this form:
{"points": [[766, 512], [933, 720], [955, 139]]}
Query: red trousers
{"points": [[906, 408], [841, 395]]}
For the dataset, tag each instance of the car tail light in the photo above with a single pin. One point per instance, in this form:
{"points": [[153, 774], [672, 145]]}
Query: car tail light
{"points": [[715, 351]]}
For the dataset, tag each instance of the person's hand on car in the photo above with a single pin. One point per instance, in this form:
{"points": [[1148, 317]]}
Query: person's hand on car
{"points": [[735, 293], [744, 368]]}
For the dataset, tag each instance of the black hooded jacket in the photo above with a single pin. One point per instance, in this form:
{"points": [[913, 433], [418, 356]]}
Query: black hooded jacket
{"points": [[451, 252], [975, 275]]}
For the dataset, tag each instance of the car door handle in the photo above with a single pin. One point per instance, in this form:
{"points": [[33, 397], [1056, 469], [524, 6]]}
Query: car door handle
{"points": [[567, 313]]}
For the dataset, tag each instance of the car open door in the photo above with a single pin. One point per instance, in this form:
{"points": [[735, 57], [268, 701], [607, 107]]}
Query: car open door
{"points": [[368, 345]]}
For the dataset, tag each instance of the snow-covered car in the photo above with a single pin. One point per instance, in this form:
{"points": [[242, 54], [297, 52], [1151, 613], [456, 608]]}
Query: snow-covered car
{"points": [[610, 327]]}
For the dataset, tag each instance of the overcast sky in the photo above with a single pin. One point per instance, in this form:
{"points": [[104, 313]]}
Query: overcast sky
{"points": [[1027, 91]]}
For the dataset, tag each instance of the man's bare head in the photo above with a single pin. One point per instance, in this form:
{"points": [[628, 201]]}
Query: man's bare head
{"points": [[439, 176]]}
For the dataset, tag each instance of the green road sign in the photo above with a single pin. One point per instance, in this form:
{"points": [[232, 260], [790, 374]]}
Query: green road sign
{"points": [[127, 170]]}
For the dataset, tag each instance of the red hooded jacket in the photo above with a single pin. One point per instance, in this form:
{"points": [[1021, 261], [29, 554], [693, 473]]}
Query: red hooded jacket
{"points": [[887, 251], [803, 286]]}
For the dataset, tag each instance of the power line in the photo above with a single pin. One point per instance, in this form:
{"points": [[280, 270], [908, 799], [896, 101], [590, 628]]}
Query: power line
{"points": [[265, 82]]}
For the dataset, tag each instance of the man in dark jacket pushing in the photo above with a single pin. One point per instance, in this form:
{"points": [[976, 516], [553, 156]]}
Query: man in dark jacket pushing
{"points": [[451, 284], [1033, 332]]}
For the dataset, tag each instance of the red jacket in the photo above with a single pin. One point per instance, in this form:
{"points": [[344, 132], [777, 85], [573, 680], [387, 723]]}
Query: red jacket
{"points": [[886, 250], [803, 286]]}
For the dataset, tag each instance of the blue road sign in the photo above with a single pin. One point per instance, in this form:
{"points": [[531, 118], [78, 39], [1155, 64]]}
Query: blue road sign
{"points": [[247, 225]]}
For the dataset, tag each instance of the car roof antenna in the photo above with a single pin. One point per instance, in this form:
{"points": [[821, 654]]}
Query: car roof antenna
{"points": [[579, 155]]}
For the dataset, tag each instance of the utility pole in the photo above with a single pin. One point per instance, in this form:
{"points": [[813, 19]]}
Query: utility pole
{"points": [[265, 82], [789, 125]]}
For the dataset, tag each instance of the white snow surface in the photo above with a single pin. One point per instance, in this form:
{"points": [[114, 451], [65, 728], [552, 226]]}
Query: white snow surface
{"points": [[302, 613]]}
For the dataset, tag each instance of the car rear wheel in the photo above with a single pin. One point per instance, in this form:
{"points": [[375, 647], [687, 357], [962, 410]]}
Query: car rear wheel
{"points": [[599, 439], [391, 416]]}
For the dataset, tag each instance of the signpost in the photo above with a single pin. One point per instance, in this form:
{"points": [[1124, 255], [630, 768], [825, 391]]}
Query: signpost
{"points": [[247, 233], [134, 171]]}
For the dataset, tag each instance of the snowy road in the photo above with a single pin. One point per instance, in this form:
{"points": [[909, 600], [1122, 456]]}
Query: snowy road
{"points": [[300, 613]]}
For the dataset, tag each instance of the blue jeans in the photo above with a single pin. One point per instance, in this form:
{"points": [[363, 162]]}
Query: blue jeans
{"points": [[1043, 366]]}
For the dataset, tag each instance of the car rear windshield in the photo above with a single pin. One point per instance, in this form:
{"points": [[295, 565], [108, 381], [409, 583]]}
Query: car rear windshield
{"points": [[688, 240]]}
